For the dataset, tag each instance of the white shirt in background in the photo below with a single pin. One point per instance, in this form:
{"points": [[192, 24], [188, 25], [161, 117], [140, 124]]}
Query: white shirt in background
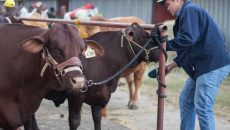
{"points": [[23, 12], [44, 14], [67, 16]]}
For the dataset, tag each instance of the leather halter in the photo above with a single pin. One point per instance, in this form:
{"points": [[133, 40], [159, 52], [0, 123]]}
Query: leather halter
{"points": [[73, 64], [146, 51]]}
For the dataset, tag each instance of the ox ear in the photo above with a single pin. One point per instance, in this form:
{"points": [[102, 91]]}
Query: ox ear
{"points": [[99, 51], [129, 35], [33, 45]]}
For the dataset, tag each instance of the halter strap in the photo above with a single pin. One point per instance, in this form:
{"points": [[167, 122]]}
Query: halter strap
{"points": [[146, 51], [73, 64]]}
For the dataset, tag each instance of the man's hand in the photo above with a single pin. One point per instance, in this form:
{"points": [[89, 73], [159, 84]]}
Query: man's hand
{"points": [[155, 31], [170, 66]]}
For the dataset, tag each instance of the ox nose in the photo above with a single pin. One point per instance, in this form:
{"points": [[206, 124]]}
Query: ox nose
{"points": [[78, 82]]}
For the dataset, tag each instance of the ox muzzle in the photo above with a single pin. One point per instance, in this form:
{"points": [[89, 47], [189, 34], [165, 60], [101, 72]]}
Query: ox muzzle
{"points": [[60, 70]]}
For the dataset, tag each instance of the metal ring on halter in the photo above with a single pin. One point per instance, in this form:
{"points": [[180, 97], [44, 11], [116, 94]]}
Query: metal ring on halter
{"points": [[84, 90], [62, 73], [90, 83]]}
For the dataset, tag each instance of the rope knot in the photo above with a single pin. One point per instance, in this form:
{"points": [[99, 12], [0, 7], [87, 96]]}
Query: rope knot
{"points": [[81, 30]]}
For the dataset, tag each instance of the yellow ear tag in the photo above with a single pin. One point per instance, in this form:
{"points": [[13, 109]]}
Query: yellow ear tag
{"points": [[89, 53]]}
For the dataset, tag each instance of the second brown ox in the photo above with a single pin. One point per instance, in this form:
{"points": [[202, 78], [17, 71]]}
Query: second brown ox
{"points": [[132, 75]]}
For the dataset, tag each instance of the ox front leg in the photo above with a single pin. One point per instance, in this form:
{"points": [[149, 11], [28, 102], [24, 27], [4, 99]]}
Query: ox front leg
{"points": [[74, 111], [96, 113], [138, 79], [28, 124], [34, 123]]}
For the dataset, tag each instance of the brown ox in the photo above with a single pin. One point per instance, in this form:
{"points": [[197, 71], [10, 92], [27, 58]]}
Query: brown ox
{"points": [[132, 75], [22, 49], [114, 59]]}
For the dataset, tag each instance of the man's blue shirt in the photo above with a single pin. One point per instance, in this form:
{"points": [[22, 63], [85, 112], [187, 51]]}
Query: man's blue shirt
{"points": [[198, 42]]}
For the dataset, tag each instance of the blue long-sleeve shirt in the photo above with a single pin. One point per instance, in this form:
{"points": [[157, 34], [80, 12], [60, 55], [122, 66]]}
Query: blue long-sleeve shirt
{"points": [[198, 42]]}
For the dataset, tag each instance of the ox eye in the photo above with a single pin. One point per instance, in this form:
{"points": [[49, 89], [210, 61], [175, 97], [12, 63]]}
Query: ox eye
{"points": [[55, 49]]}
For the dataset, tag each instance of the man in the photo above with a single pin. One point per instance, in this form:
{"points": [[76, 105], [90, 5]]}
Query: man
{"points": [[65, 15], [44, 12], [23, 10], [10, 9], [201, 52], [2, 9], [50, 14]]}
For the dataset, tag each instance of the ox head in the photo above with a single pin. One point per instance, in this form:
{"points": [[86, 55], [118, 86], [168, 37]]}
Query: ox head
{"points": [[136, 34], [62, 48]]}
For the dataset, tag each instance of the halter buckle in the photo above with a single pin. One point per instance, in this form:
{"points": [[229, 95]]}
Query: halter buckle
{"points": [[63, 73], [90, 83]]}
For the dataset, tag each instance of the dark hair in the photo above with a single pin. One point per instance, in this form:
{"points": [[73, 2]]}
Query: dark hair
{"points": [[51, 9], [181, 0], [22, 3]]}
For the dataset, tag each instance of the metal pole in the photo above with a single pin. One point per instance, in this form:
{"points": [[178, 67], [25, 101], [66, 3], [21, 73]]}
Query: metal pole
{"points": [[161, 89], [91, 23]]}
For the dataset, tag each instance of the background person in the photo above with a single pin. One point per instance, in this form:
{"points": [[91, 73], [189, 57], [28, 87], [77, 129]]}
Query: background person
{"points": [[65, 15], [10, 9], [2, 9], [23, 10]]}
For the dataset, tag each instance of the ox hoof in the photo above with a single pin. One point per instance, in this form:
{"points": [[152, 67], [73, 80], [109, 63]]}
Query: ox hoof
{"points": [[133, 106], [121, 84]]}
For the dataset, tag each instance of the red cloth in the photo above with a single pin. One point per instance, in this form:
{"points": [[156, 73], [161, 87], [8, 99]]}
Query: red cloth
{"points": [[34, 5], [88, 6]]}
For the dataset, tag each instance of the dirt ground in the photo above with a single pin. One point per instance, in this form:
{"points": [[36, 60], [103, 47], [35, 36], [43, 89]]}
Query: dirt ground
{"points": [[143, 118]]}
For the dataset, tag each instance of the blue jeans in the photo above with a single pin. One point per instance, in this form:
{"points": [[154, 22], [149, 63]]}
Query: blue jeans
{"points": [[197, 98]]}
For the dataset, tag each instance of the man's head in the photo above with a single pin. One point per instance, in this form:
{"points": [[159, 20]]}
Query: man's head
{"points": [[21, 5], [30, 9], [173, 6], [38, 6], [9, 3], [51, 9], [44, 7], [63, 10]]}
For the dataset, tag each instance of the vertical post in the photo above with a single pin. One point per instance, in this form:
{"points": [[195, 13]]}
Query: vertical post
{"points": [[161, 89]]}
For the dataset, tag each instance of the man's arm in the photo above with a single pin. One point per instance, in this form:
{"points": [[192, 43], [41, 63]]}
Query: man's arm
{"points": [[170, 66]]}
